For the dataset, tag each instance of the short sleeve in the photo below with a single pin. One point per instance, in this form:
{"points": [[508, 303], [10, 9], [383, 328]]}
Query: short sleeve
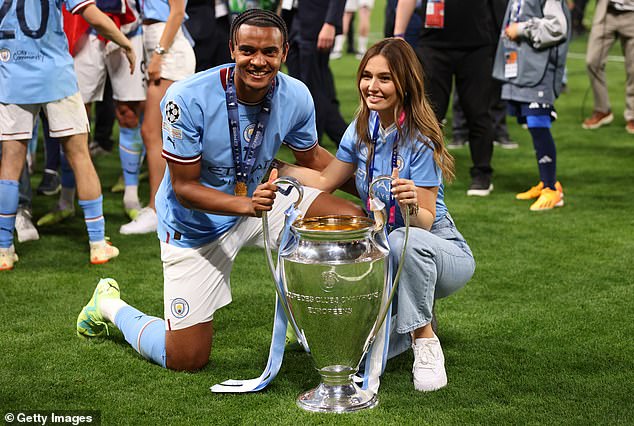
{"points": [[303, 134], [75, 6], [347, 151], [181, 137]]}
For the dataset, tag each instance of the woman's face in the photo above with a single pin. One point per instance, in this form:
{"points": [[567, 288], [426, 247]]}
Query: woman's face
{"points": [[377, 87]]}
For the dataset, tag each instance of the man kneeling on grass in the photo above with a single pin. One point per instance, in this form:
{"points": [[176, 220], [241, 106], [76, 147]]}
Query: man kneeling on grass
{"points": [[209, 199]]}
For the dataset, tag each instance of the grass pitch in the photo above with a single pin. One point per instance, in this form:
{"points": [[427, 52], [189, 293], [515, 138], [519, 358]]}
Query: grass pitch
{"points": [[541, 335]]}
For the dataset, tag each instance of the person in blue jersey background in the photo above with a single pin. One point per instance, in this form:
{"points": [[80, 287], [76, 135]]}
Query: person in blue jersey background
{"points": [[221, 131], [396, 133], [36, 70], [171, 58]]}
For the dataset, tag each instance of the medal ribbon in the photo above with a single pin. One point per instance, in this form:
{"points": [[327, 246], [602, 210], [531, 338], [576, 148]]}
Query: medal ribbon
{"points": [[375, 138], [242, 168], [280, 323]]}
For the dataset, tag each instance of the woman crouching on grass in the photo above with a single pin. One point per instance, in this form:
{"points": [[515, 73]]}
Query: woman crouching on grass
{"points": [[395, 132]]}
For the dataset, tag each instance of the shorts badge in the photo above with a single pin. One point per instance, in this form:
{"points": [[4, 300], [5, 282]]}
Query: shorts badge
{"points": [[180, 308]]}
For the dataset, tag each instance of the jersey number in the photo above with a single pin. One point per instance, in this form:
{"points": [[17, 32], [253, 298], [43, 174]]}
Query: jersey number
{"points": [[24, 26]]}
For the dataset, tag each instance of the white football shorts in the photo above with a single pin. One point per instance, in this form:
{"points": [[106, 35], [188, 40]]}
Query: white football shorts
{"points": [[66, 117], [179, 61], [196, 280], [96, 59], [354, 5]]}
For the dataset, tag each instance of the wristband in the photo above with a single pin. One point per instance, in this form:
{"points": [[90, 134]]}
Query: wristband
{"points": [[399, 35]]}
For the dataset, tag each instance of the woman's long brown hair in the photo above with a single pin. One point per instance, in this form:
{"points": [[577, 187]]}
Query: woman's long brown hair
{"points": [[407, 75]]}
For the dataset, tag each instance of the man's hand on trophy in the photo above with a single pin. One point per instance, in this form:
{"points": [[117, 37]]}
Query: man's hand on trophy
{"points": [[264, 195]]}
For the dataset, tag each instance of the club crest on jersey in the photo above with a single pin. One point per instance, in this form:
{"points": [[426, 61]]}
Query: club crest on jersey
{"points": [[248, 132], [180, 308], [399, 163], [172, 112], [5, 55]]}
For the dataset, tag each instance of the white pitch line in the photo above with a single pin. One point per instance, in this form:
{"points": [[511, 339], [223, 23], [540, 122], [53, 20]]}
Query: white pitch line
{"points": [[611, 58]]}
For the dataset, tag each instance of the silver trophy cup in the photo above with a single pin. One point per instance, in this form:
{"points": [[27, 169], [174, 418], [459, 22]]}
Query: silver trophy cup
{"points": [[334, 278]]}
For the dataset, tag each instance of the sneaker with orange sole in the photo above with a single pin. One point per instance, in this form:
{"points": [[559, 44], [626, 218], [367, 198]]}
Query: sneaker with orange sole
{"points": [[548, 200], [536, 191], [7, 258], [102, 251]]}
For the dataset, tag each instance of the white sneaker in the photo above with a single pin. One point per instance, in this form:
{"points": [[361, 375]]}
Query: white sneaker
{"points": [[145, 222], [7, 258], [429, 365], [24, 226]]}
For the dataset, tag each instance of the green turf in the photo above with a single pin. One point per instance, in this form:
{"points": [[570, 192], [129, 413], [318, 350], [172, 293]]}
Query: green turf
{"points": [[541, 335]]}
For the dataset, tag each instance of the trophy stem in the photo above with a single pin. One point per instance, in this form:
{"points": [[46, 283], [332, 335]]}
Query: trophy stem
{"points": [[337, 393]]}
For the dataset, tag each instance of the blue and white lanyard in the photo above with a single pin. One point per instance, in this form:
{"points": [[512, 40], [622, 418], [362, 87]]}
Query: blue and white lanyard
{"points": [[515, 14], [243, 167], [375, 138]]}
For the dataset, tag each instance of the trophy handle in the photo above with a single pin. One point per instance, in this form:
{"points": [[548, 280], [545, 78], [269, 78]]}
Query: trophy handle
{"points": [[378, 229], [294, 184]]}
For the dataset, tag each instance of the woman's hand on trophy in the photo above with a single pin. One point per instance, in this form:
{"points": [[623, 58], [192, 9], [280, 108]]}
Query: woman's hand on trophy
{"points": [[405, 193], [264, 195]]}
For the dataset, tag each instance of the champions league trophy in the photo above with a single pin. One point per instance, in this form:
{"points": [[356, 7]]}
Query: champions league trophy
{"points": [[333, 280]]}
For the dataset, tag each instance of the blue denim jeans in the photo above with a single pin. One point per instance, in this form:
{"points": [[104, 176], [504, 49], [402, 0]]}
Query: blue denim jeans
{"points": [[437, 263]]}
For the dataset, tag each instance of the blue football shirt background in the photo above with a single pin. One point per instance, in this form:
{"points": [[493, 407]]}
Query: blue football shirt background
{"points": [[35, 65]]}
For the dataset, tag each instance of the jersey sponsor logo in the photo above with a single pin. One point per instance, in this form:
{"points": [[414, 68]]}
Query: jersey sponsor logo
{"points": [[180, 308], [23, 55], [5, 55], [172, 112]]}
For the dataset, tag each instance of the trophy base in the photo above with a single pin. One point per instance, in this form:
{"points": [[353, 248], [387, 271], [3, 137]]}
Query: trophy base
{"points": [[336, 398]]}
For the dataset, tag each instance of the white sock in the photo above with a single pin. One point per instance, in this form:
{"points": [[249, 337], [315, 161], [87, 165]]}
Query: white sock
{"points": [[109, 308], [362, 44], [131, 197], [66, 198], [421, 340], [339, 40]]}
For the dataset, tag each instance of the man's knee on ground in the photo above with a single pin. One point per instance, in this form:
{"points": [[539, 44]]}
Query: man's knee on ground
{"points": [[188, 359], [188, 349]]}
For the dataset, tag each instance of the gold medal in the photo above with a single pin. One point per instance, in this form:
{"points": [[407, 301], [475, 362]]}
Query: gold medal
{"points": [[241, 189]]}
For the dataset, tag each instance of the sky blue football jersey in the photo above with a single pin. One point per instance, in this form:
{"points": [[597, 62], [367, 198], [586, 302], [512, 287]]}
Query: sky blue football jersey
{"points": [[195, 128], [35, 65], [415, 162], [155, 9]]}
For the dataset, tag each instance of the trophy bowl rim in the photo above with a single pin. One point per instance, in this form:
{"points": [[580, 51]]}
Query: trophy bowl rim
{"points": [[306, 227]]}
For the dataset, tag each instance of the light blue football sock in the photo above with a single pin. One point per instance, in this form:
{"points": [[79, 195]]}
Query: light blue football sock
{"points": [[130, 147], [144, 333], [93, 215], [8, 208]]}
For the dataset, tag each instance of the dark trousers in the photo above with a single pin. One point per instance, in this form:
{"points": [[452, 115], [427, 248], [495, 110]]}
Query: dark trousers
{"points": [[471, 69], [309, 65], [497, 109]]}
